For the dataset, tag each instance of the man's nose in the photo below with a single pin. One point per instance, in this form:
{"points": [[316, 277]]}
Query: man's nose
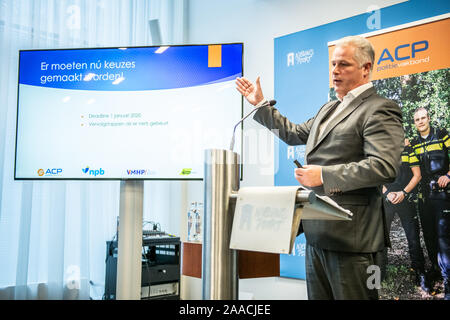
{"points": [[335, 69]]}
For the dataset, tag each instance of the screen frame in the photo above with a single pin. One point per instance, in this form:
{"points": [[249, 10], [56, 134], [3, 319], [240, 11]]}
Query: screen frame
{"points": [[241, 167]]}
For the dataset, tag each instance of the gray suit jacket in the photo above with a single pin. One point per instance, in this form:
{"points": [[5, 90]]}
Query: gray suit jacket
{"points": [[359, 150]]}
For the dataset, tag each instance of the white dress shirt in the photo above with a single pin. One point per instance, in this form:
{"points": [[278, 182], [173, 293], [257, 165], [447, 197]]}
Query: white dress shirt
{"points": [[349, 97]]}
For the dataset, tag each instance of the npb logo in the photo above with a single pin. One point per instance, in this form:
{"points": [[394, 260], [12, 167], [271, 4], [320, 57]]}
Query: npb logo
{"points": [[93, 172]]}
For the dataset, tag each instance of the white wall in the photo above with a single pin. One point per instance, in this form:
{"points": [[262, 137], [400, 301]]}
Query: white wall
{"points": [[257, 23]]}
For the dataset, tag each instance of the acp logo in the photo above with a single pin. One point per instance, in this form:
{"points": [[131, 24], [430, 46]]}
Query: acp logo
{"points": [[186, 172], [49, 172], [93, 172], [403, 51]]}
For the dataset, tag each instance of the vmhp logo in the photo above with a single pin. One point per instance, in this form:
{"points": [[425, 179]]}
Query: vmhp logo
{"points": [[93, 172], [138, 172]]}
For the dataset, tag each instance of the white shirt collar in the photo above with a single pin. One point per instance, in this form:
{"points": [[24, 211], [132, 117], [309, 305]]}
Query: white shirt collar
{"points": [[352, 94]]}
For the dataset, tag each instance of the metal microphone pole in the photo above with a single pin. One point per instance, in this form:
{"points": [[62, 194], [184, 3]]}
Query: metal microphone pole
{"points": [[265, 104]]}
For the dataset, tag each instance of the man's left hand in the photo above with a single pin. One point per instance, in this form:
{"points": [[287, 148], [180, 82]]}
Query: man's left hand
{"points": [[309, 175], [443, 181]]}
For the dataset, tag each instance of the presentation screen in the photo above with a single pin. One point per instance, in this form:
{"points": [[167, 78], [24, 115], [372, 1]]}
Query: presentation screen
{"points": [[125, 113]]}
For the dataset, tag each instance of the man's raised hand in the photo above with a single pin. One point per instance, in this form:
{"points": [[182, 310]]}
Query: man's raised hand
{"points": [[252, 93]]}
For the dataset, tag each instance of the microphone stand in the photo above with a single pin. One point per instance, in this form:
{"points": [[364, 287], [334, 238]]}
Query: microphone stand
{"points": [[265, 104]]}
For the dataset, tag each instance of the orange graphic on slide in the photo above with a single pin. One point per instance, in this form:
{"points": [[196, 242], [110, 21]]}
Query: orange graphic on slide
{"points": [[40, 172]]}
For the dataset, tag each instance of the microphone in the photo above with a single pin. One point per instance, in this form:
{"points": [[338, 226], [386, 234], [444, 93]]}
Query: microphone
{"points": [[265, 104]]}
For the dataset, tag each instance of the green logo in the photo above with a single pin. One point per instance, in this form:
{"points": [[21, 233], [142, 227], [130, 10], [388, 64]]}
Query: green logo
{"points": [[186, 171]]}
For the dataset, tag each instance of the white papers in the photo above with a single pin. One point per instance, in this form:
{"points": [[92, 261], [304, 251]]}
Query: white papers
{"points": [[266, 219], [263, 219]]}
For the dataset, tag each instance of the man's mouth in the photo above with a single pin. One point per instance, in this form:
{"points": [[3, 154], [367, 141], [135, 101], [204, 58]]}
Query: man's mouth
{"points": [[421, 127]]}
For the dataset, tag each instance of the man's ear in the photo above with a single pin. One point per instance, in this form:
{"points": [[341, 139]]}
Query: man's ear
{"points": [[367, 67]]}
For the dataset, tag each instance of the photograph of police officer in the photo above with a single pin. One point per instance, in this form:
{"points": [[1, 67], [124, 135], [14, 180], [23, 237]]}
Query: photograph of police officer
{"points": [[400, 199], [430, 150]]}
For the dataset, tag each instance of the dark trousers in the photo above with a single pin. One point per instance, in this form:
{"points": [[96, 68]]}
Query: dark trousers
{"points": [[435, 220], [407, 213], [332, 275]]}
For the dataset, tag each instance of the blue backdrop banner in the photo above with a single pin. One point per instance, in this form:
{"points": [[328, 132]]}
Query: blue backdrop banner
{"points": [[302, 82]]}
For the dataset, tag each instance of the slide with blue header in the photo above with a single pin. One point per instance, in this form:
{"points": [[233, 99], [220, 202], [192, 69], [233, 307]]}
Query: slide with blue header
{"points": [[125, 113]]}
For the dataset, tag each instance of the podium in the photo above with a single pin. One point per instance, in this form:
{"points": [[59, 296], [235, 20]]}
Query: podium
{"points": [[249, 219]]}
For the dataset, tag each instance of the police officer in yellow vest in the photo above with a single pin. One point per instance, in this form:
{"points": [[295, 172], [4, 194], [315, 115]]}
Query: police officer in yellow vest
{"points": [[431, 150], [399, 198]]}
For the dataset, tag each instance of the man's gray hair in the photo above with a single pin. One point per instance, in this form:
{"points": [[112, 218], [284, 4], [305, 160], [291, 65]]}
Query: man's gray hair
{"points": [[364, 50]]}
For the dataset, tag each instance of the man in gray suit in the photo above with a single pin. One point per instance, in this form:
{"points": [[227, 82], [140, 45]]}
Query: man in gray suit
{"points": [[353, 146]]}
